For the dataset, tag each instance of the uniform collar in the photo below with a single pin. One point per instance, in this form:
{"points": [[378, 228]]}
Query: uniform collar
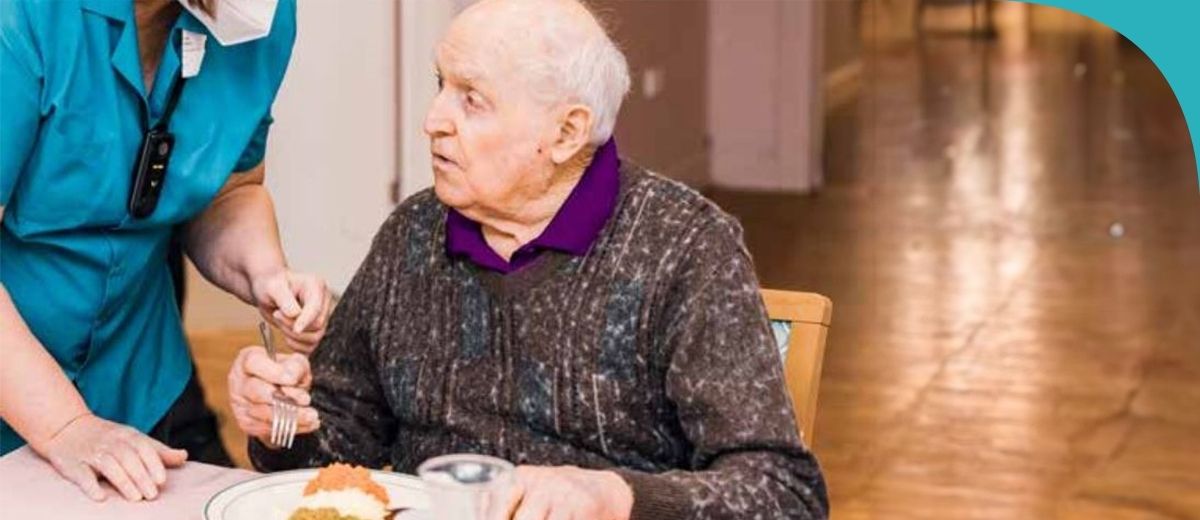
{"points": [[120, 10], [125, 58]]}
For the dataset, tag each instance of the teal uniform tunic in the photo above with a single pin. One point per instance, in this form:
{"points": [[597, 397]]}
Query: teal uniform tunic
{"points": [[91, 282]]}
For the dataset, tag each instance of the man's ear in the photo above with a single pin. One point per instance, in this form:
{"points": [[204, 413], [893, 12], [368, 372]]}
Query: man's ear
{"points": [[574, 133]]}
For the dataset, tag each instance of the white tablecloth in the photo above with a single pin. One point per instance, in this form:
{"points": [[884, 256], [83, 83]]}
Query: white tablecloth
{"points": [[30, 488]]}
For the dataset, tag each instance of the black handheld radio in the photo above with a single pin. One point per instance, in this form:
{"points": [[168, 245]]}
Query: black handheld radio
{"points": [[150, 165]]}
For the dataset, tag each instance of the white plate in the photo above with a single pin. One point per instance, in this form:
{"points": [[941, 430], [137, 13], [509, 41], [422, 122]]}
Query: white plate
{"points": [[275, 496]]}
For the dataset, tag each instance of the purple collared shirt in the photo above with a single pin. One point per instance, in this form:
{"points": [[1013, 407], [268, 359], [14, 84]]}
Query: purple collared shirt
{"points": [[572, 230]]}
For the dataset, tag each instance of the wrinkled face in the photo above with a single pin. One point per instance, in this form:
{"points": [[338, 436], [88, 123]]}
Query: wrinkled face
{"points": [[487, 135]]}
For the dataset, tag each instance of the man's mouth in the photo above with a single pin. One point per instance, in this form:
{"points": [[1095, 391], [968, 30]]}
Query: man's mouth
{"points": [[442, 162]]}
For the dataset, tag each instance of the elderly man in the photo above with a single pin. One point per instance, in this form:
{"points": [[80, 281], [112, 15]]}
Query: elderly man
{"points": [[551, 304]]}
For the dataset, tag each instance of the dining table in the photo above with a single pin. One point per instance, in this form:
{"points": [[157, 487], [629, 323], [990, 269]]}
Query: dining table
{"points": [[31, 488]]}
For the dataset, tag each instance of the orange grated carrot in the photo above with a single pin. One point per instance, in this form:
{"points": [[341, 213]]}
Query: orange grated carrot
{"points": [[344, 476]]}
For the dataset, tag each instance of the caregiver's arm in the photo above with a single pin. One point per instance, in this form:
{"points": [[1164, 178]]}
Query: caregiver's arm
{"points": [[42, 405], [36, 398], [235, 244]]}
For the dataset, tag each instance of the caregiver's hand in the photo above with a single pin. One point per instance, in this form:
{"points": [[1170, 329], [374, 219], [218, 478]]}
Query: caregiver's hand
{"points": [[90, 448], [296, 303], [252, 383]]}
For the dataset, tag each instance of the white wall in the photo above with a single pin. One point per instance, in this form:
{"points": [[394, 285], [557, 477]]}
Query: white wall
{"points": [[764, 94], [422, 25], [332, 153]]}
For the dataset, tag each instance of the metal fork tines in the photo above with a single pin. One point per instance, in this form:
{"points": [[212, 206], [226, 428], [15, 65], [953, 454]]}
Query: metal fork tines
{"points": [[284, 411]]}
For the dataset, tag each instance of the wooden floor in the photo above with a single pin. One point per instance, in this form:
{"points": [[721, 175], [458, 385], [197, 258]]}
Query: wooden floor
{"points": [[999, 350], [996, 352]]}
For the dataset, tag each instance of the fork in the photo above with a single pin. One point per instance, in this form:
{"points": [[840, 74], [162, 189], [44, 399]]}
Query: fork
{"points": [[394, 512], [284, 410]]}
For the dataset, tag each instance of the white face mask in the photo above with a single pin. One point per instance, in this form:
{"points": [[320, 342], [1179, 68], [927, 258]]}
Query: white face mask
{"points": [[237, 21]]}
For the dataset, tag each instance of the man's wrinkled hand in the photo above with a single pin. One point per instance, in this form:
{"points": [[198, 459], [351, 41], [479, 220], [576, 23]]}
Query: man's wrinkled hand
{"points": [[253, 380], [563, 493]]}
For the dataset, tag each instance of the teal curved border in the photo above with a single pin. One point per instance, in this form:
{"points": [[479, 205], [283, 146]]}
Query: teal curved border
{"points": [[1161, 28]]}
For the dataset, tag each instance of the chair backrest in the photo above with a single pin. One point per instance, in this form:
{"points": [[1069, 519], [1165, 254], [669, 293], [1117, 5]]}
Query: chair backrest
{"points": [[801, 324]]}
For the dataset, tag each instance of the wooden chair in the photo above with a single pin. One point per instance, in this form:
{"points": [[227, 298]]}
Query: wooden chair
{"points": [[807, 316], [988, 29]]}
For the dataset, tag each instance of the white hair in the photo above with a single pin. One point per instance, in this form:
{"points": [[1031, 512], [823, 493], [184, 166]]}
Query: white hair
{"points": [[577, 65]]}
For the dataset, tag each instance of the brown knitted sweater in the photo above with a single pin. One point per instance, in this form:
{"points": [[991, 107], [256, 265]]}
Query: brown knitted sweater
{"points": [[651, 355]]}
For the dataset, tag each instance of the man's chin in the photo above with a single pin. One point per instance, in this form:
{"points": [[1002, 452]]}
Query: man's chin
{"points": [[450, 195]]}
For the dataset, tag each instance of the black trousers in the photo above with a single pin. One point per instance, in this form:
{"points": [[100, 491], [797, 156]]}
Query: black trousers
{"points": [[189, 424]]}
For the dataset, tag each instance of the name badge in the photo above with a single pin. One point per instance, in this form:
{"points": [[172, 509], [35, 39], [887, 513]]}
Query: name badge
{"points": [[193, 52]]}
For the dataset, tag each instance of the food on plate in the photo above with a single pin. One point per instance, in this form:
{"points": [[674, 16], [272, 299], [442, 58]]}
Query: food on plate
{"points": [[342, 492]]}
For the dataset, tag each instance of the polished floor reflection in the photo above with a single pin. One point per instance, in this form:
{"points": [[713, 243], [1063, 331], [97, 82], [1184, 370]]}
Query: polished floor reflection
{"points": [[1011, 238]]}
